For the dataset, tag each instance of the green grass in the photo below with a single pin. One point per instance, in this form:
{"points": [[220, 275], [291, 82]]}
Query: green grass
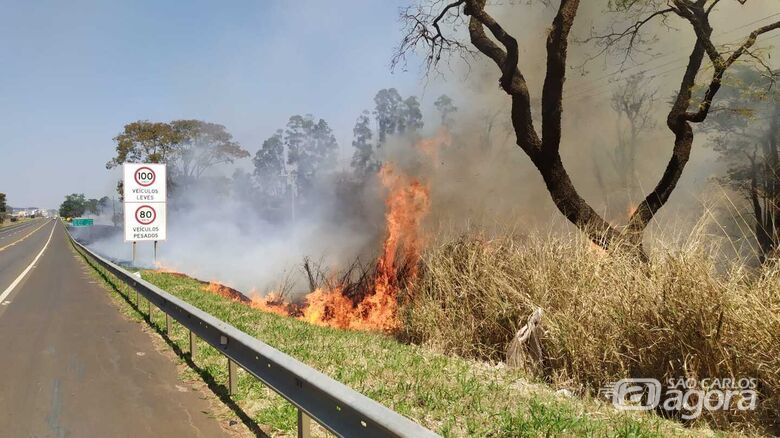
{"points": [[8, 223], [450, 395]]}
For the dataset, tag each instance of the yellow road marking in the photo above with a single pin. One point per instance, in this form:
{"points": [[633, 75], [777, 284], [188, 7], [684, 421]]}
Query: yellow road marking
{"points": [[26, 236]]}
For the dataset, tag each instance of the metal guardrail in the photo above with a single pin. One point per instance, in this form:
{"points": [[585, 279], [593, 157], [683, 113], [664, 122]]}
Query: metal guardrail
{"points": [[338, 408]]}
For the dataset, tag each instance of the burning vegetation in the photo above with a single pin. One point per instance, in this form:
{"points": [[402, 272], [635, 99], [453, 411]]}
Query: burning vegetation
{"points": [[372, 302], [364, 297]]}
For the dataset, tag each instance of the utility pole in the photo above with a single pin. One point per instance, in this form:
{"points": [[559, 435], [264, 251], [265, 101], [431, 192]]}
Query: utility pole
{"points": [[292, 186]]}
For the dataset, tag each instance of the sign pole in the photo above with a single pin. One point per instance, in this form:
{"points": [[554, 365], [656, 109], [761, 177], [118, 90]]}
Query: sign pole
{"points": [[155, 251], [133, 253]]}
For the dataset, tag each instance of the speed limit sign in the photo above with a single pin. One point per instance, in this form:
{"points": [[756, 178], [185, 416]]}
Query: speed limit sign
{"points": [[145, 196], [144, 176], [144, 222], [144, 182], [145, 214]]}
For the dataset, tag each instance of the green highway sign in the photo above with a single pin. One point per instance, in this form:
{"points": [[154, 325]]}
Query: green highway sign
{"points": [[82, 222]]}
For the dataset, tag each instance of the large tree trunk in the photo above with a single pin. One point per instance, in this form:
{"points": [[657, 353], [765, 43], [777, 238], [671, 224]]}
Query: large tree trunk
{"points": [[543, 150]]}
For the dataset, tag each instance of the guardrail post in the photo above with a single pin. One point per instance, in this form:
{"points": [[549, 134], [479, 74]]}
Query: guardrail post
{"points": [[137, 300], [167, 324], [193, 345], [149, 310], [304, 425], [232, 376]]}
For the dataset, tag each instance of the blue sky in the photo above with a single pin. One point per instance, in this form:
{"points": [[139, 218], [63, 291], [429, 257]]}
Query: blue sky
{"points": [[73, 73]]}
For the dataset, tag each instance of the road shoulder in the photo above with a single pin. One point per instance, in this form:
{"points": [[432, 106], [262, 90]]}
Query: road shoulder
{"points": [[189, 379]]}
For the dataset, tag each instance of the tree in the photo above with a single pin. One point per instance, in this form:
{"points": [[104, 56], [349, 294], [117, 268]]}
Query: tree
{"points": [[292, 159], [386, 112], [745, 131], [3, 208], [74, 205], [145, 142], [446, 108], [270, 170], [633, 103], [396, 115], [311, 148], [423, 31], [363, 160], [103, 204], [91, 206], [188, 147], [202, 145], [411, 119]]}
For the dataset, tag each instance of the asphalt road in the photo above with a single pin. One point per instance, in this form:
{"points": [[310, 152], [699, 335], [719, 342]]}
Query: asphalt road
{"points": [[70, 364]]}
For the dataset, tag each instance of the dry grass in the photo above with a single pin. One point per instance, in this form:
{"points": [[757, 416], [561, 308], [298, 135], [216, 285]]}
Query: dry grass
{"points": [[606, 316]]}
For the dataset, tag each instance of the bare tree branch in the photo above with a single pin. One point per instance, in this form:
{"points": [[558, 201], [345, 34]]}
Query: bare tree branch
{"points": [[721, 66]]}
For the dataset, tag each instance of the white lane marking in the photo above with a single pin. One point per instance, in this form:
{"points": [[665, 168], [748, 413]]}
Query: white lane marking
{"points": [[16, 229], [8, 290]]}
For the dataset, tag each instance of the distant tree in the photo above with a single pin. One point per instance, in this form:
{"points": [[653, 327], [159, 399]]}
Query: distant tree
{"points": [[188, 147], [388, 104], [446, 108], [103, 204], [396, 115], [745, 131], [92, 206], [74, 205], [202, 145], [633, 103], [311, 148], [270, 170], [3, 208], [411, 119], [363, 160], [145, 142], [243, 186]]}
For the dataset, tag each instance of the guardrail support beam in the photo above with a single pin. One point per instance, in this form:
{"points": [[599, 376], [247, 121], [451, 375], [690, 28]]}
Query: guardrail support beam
{"points": [[304, 425], [232, 376], [193, 345], [167, 324]]}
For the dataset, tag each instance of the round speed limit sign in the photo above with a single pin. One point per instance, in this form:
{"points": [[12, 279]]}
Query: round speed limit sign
{"points": [[145, 176], [145, 214]]}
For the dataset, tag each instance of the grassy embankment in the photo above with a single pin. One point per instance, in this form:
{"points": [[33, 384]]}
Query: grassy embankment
{"points": [[687, 314], [450, 395]]}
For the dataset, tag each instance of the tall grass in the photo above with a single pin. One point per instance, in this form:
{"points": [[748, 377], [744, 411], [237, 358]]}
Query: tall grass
{"points": [[607, 316]]}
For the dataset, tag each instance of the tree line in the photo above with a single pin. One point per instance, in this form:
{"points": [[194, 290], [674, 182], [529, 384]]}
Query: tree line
{"points": [[77, 205], [288, 164]]}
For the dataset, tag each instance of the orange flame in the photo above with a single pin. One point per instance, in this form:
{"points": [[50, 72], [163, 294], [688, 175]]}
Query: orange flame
{"points": [[225, 291], [273, 302], [162, 267], [407, 204]]}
